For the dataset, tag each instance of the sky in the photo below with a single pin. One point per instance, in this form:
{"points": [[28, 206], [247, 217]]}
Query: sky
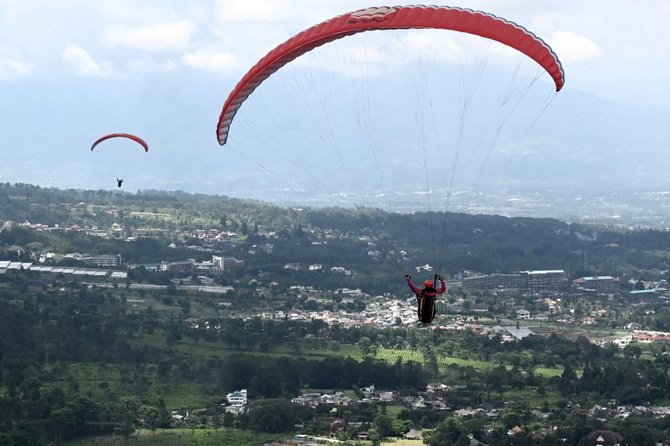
{"points": [[73, 70], [614, 49]]}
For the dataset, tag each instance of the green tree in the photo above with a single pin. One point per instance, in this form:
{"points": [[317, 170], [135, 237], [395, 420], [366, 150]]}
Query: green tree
{"points": [[365, 343], [383, 425], [164, 417], [447, 433], [272, 415]]}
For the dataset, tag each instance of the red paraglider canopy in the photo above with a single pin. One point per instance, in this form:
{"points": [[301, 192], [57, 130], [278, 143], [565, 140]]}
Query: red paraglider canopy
{"points": [[122, 135], [387, 18]]}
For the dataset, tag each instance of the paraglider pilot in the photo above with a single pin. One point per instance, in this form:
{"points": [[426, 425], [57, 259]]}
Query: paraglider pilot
{"points": [[119, 182], [426, 297]]}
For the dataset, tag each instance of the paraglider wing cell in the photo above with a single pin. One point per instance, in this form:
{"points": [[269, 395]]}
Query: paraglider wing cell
{"points": [[388, 18]]}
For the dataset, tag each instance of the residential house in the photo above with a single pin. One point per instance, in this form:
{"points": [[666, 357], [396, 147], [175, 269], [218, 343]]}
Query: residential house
{"points": [[480, 308], [436, 387], [588, 320], [565, 319], [543, 316], [522, 314], [368, 391], [237, 398], [386, 397], [605, 438], [413, 434]]}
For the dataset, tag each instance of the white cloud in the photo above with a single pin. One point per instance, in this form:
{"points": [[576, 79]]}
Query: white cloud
{"points": [[163, 36], [211, 60], [82, 62], [151, 65], [132, 12], [255, 11], [573, 47], [10, 69]]}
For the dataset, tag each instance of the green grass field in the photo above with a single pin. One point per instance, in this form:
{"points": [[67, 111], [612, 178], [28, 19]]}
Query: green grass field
{"points": [[103, 380], [394, 410], [220, 350]]}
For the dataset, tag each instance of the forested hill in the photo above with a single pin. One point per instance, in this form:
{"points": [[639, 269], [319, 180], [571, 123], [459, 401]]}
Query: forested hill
{"points": [[369, 240]]}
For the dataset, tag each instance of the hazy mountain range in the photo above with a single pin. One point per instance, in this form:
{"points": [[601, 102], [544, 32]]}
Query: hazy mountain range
{"points": [[580, 158]]}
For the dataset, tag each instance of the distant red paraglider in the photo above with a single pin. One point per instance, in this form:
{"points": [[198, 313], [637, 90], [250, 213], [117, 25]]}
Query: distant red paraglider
{"points": [[137, 139]]}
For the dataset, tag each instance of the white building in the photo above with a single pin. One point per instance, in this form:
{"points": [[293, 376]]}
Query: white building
{"points": [[522, 314], [237, 398]]}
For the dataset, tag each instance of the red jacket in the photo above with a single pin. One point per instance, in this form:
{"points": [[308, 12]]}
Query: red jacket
{"points": [[427, 292]]}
